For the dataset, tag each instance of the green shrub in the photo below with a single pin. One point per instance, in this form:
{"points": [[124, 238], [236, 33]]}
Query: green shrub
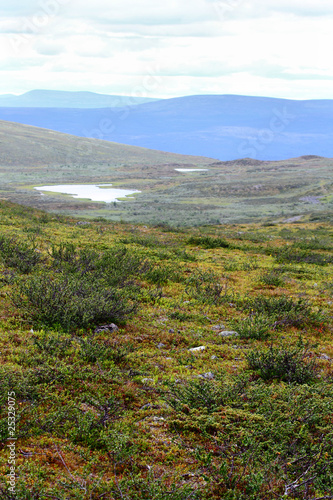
{"points": [[143, 240], [285, 311], [152, 488], [206, 287], [93, 351], [72, 302], [272, 278], [291, 254], [287, 364], [90, 425], [19, 254], [52, 344], [255, 326], [313, 244], [117, 265], [195, 394], [180, 316], [208, 242], [64, 252], [161, 274], [232, 265]]}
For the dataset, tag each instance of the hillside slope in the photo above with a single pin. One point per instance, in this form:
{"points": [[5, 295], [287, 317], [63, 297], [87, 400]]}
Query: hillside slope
{"points": [[27, 145]]}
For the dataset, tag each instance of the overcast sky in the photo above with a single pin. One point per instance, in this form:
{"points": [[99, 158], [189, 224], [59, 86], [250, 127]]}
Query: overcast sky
{"points": [[277, 48]]}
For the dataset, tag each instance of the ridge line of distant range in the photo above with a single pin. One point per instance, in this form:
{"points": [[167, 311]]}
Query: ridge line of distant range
{"points": [[215, 126]]}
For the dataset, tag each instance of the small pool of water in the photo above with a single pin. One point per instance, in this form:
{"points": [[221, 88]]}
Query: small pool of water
{"points": [[94, 192], [191, 169]]}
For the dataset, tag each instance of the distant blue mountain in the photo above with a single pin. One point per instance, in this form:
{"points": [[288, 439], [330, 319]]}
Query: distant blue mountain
{"points": [[63, 99], [219, 126]]}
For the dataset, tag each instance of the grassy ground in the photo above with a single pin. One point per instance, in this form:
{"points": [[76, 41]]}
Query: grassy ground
{"points": [[170, 405]]}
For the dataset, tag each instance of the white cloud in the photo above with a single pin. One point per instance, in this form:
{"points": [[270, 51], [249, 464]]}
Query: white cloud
{"points": [[276, 48]]}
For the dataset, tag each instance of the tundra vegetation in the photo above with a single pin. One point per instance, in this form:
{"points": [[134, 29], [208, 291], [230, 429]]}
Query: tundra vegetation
{"points": [[216, 384]]}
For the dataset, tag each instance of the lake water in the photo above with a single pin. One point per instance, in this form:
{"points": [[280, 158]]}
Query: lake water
{"points": [[191, 169], [94, 192]]}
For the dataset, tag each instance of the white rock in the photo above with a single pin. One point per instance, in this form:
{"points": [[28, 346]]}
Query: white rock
{"points": [[227, 333], [208, 375], [197, 349]]}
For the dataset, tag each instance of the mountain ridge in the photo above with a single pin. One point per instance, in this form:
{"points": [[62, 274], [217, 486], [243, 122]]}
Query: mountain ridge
{"points": [[222, 127], [69, 99]]}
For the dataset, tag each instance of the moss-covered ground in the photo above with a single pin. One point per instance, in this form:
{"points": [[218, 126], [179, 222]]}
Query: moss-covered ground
{"points": [[134, 412]]}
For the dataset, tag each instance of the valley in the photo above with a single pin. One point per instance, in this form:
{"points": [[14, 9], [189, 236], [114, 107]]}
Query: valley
{"points": [[214, 193]]}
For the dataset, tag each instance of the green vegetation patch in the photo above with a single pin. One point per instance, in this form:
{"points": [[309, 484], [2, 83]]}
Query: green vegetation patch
{"points": [[145, 367]]}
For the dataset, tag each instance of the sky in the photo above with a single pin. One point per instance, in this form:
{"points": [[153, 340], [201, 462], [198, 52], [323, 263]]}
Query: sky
{"points": [[273, 48]]}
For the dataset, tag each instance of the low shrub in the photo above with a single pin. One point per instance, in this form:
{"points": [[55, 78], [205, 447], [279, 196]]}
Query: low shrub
{"points": [[180, 316], [117, 265], [52, 344], [152, 487], [208, 242], [272, 278], [72, 302], [144, 240], [284, 311], [249, 264], [255, 326], [313, 244], [92, 351], [290, 365], [194, 395], [19, 254], [291, 254], [161, 274], [206, 287]]}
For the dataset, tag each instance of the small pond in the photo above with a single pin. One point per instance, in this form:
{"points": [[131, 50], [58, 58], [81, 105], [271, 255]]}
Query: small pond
{"points": [[191, 169], [94, 192]]}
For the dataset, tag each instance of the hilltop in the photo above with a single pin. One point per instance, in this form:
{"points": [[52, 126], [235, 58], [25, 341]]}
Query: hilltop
{"points": [[219, 126], [67, 99]]}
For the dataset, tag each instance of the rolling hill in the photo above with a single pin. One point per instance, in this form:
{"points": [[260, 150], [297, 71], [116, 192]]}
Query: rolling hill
{"points": [[223, 127], [63, 99]]}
